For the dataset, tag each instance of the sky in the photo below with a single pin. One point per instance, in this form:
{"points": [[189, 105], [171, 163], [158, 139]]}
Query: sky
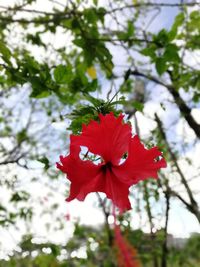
{"points": [[181, 224]]}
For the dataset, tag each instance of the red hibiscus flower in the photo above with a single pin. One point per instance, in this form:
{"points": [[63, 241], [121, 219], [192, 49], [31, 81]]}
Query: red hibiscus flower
{"points": [[111, 139]]}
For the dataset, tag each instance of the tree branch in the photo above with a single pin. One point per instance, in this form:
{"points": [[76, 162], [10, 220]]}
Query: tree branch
{"points": [[184, 109], [106, 215], [193, 204], [164, 245], [150, 217], [154, 5]]}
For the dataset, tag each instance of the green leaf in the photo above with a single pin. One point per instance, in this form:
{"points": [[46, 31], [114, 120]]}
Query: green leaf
{"points": [[5, 52], [45, 161], [94, 101], [2, 208], [127, 86], [149, 51], [177, 23], [138, 105], [194, 15], [39, 88], [121, 101], [196, 97], [90, 15], [43, 94], [130, 29], [179, 20], [101, 12], [21, 136], [79, 42], [172, 34], [128, 33], [35, 39], [95, 2], [171, 53], [62, 74], [91, 86], [19, 196], [82, 116], [161, 38], [161, 65]]}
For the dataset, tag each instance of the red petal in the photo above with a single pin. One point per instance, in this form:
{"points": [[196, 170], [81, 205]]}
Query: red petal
{"points": [[117, 191], [87, 177], [110, 138], [82, 174], [140, 164]]}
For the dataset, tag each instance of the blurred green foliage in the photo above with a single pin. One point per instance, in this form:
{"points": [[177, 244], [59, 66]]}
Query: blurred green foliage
{"points": [[91, 242]]}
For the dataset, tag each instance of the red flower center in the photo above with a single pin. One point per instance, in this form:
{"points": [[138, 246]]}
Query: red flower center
{"points": [[106, 166]]}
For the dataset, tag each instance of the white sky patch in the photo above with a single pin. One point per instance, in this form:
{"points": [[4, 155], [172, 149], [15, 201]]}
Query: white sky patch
{"points": [[196, 114], [184, 131], [86, 211], [146, 125], [183, 223]]}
